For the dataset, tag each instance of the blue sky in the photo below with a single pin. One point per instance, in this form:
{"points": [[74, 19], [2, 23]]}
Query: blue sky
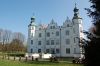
{"points": [[15, 14]]}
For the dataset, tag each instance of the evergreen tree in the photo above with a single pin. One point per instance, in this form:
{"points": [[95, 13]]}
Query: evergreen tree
{"points": [[92, 49]]}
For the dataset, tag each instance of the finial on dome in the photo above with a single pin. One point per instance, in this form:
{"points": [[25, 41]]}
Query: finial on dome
{"points": [[76, 9], [33, 18]]}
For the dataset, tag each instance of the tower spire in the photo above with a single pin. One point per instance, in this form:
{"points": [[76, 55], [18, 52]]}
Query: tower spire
{"points": [[33, 18], [76, 12], [32, 23]]}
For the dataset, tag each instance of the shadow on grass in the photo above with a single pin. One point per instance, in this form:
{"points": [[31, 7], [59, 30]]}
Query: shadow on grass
{"points": [[40, 62], [51, 63], [47, 63]]}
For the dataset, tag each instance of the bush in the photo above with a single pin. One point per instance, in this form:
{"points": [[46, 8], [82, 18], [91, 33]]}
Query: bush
{"points": [[16, 54], [54, 59], [36, 59]]}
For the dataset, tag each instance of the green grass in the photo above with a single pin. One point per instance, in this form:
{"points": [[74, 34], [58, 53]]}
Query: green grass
{"points": [[34, 63]]}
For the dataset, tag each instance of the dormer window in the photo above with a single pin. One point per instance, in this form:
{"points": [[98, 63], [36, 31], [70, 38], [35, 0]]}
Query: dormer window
{"points": [[39, 28], [67, 25], [52, 24], [50, 27], [53, 27], [48, 34]]}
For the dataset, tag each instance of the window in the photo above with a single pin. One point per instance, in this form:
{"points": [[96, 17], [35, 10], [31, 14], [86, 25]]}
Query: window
{"points": [[67, 32], [39, 42], [48, 34], [74, 50], [74, 40], [31, 41], [52, 42], [47, 51], [74, 30], [31, 50], [57, 51], [53, 27], [67, 50], [48, 42], [52, 51], [32, 28], [57, 33], [57, 42], [67, 41], [67, 25], [39, 50], [52, 33], [40, 35], [39, 28], [32, 34]]}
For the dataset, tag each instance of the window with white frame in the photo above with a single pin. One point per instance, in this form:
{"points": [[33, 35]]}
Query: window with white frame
{"points": [[47, 42], [39, 50], [74, 50], [67, 50], [48, 34], [31, 50], [52, 51], [57, 33], [50, 27], [40, 35], [67, 41], [32, 34], [57, 42], [31, 41], [67, 32], [52, 42], [53, 27], [47, 50], [39, 42], [57, 50], [32, 28]]}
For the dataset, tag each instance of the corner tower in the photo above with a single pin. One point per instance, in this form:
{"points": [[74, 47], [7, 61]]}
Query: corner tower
{"points": [[77, 22], [77, 30], [31, 28], [31, 34]]}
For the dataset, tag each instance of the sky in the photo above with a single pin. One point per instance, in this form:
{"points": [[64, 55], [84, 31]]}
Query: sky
{"points": [[15, 14]]}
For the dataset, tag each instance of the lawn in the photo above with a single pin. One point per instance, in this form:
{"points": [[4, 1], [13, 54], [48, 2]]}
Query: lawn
{"points": [[34, 63]]}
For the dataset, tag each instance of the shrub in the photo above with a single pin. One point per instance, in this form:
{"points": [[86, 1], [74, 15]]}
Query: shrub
{"points": [[16, 54]]}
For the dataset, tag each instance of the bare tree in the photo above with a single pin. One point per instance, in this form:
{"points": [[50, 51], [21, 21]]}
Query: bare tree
{"points": [[17, 43], [7, 36], [19, 36], [11, 41]]}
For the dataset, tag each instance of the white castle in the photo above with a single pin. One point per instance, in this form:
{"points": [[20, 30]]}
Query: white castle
{"points": [[61, 41]]}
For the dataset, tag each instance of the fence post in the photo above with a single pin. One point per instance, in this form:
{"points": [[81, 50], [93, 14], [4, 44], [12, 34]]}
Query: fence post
{"points": [[36, 59], [3, 57], [14, 57], [32, 58], [26, 58], [20, 58]]}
